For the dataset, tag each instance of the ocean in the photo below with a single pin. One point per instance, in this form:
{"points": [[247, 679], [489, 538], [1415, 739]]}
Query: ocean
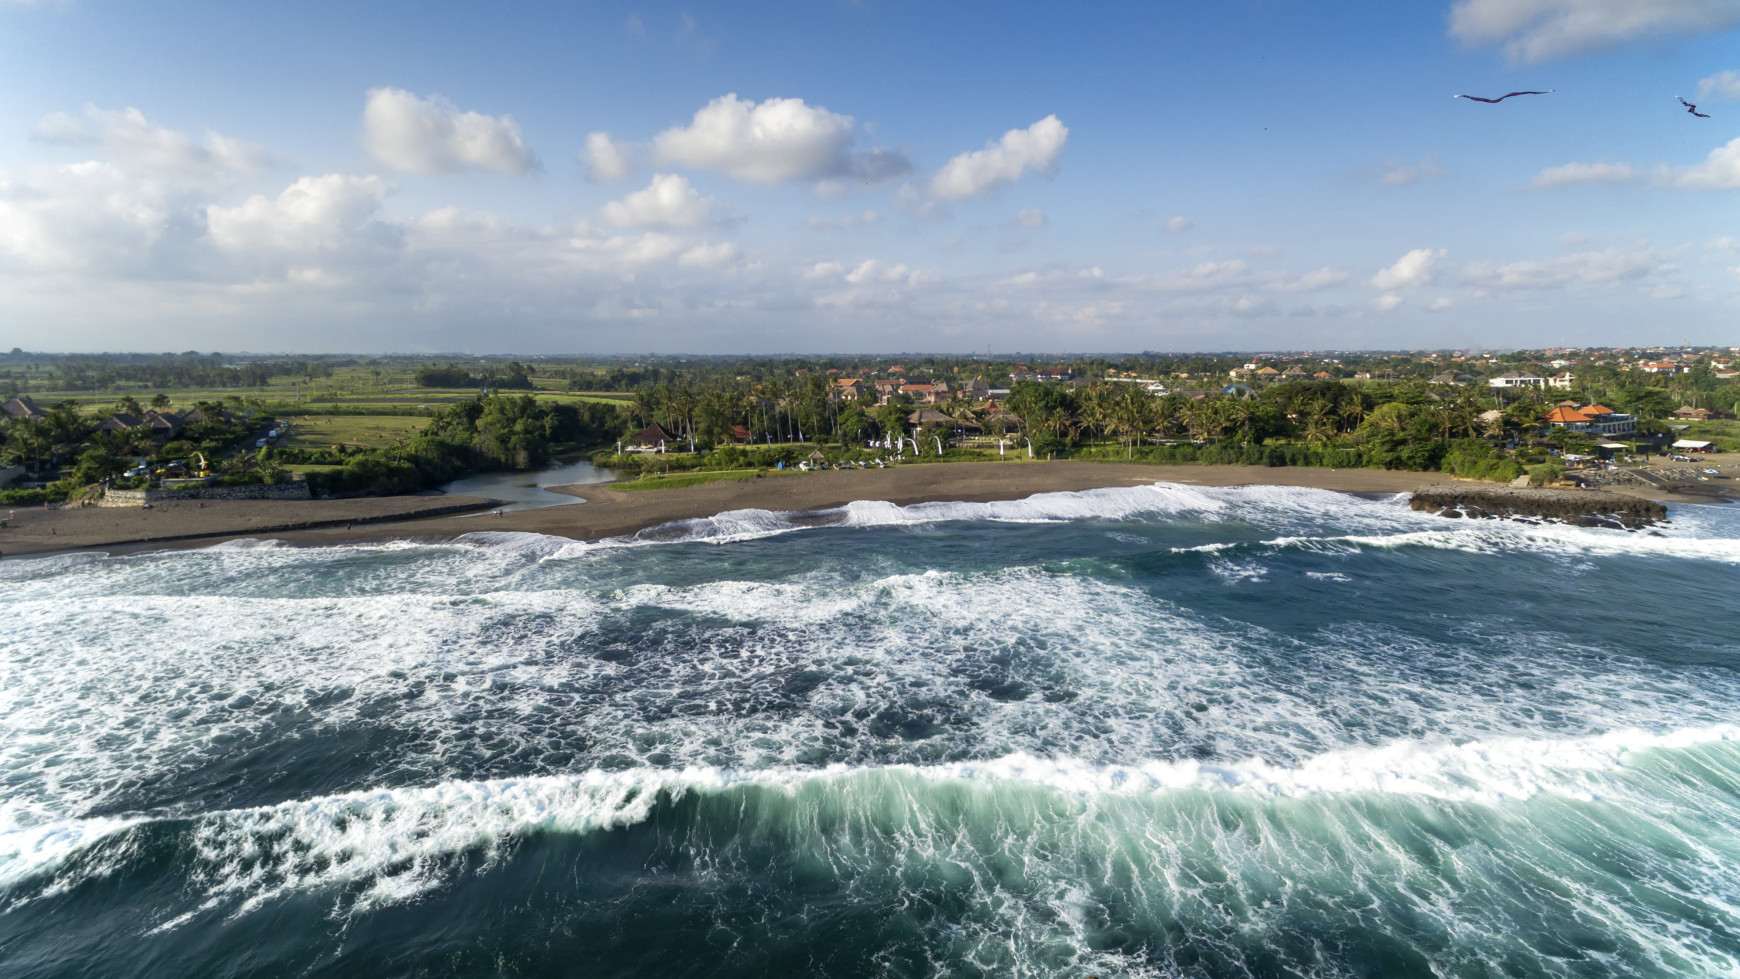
{"points": [[1160, 731]]}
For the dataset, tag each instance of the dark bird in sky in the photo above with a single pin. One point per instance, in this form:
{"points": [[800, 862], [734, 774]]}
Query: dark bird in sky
{"points": [[1501, 98], [1692, 108]]}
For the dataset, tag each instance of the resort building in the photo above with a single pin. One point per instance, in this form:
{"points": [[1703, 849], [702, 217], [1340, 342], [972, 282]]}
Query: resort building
{"points": [[1592, 420]]}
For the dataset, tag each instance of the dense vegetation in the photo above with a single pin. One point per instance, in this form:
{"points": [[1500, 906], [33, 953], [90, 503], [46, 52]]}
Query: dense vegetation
{"points": [[490, 434]]}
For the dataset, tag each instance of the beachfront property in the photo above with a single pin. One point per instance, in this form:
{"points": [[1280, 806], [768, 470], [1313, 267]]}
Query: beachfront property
{"points": [[1591, 420]]}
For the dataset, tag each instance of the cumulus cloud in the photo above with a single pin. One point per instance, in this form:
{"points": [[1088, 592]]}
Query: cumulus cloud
{"points": [[606, 160], [773, 142], [669, 203], [1030, 217], [1440, 304], [1536, 30], [1035, 149], [1399, 174], [1416, 268], [126, 137], [92, 215], [1721, 85], [325, 213], [1387, 302], [1584, 268], [1600, 172], [1178, 222], [417, 135], [1719, 171]]}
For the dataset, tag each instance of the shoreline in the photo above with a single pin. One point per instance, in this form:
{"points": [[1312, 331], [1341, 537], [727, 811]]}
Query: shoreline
{"points": [[608, 512]]}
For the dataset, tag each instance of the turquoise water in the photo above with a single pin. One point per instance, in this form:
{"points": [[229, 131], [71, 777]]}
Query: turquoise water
{"points": [[1138, 732]]}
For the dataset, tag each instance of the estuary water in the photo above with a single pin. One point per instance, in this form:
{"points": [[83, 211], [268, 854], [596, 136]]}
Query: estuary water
{"points": [[1160, 731]]}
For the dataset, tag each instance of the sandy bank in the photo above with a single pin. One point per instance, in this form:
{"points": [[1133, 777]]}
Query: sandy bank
{"points": [[609, 512], [34, 530]]}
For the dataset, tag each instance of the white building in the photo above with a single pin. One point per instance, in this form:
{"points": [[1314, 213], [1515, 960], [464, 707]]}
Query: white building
{"points": [[1517, 379]]}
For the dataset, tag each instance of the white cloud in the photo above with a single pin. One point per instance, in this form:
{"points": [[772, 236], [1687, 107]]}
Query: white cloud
{"points": [[1035, 149], [843, 221], [1387, 302], [1583, 268], [1322, 278], [1416, 268], [606, 160], [1399, 174], [1440, 304], [1178, 222], [92, 215], [669, 202], [430, 135], [1030, 217], [1721, 85], [313, 214], [1600, 172], [1535, 30], [1719, 171], [774, 141], [126, 137], [709, 256]]}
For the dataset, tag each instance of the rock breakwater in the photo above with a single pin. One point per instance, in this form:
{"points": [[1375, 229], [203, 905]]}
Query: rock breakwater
{"points": [[1578, 507]]}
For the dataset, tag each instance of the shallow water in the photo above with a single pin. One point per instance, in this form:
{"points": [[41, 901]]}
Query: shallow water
{"points": [[530, 490], [1153, 731]]}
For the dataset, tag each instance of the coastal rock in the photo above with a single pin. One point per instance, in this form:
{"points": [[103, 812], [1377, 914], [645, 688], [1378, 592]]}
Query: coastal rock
{"points": [[1578, 508]]}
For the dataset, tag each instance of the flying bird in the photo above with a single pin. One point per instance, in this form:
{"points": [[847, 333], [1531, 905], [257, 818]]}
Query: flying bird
{"points": [[1692, 108], [1501, 98]]}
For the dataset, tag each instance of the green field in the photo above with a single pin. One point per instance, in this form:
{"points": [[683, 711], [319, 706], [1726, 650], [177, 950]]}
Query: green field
{"points": [[358, 431]]}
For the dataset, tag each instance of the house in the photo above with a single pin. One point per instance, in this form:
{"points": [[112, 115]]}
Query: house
{"points": [[1659, 367], [1592, 420], [1267, 373], [849, 388], [928, 416], [1077, 383], [162, 422], [1690, 413], [976, 390], [739, 433], [1516, 379], [119, 422], [1563, 380], [1322, 376], [653, 436], [1294, 374], [1693, 445], [1449, 377], [22, 407]]}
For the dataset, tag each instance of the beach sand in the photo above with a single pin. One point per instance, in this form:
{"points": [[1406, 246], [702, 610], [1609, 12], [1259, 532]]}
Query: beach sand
{"points": [[610, 512]]}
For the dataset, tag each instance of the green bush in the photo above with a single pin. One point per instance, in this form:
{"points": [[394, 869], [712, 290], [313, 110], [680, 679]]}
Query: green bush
{"points": [[1546, 473], [26, 497]]}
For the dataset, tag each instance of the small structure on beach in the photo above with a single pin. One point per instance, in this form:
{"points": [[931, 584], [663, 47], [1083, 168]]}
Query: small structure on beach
{"points": [[653, 436]]}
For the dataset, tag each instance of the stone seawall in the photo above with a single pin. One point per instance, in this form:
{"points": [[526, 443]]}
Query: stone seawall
{"points": [[137, 498], [1581, 508]]}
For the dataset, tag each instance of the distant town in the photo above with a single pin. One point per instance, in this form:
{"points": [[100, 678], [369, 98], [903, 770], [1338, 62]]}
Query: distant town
{"points": [[118, 428]]}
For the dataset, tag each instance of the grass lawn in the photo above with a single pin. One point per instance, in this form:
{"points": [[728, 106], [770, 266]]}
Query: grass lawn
{"points": [[361, 431], [679, 480]]}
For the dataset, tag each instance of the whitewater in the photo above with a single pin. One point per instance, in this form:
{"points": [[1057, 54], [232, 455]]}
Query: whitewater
{"points": [[1157, 731]]}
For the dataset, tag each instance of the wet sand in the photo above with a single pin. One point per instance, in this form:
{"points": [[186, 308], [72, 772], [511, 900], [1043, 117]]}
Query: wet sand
{"points": [[611, 512]]}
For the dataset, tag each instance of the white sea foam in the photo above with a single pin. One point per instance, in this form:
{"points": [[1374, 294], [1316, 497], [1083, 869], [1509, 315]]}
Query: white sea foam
{"points": [[395, 841]]}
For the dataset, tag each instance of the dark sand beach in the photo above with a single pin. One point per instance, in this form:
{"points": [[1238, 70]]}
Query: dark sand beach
{"points": [[611, 512]]}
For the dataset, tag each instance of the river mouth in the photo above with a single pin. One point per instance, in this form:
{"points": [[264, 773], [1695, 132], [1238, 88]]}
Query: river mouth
{"points": [[530, 490]]}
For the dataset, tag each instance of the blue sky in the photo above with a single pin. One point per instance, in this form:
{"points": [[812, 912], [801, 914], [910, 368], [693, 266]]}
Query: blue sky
{"points": [[836, 176]]}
